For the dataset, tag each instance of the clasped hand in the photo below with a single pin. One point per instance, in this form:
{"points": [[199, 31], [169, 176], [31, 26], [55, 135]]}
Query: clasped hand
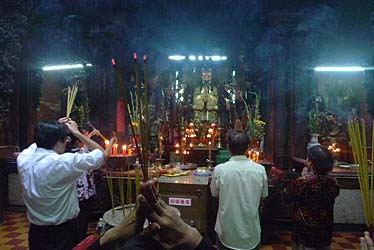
{"points": [[166, 225]]}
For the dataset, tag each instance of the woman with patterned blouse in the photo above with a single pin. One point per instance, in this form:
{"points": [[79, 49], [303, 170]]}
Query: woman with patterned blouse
{"points": [[86, 188], [313, 196]]}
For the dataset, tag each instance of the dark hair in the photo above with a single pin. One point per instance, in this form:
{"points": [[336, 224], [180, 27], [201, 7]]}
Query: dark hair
{"points": [[47, 134], [237, 142], [321, 159]]}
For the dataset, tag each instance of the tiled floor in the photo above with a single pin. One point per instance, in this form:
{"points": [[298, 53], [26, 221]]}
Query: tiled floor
{"points": [[14, 232]]}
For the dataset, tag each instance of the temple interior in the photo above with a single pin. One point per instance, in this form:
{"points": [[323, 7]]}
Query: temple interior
{"points": [[170, 80]]}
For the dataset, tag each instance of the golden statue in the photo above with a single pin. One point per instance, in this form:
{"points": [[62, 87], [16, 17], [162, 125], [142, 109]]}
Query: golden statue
{"points": [[205, 103]]}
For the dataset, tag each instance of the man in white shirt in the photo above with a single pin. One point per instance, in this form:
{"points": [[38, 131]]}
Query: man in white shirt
{"points": [[240, 185], [48, 177]]}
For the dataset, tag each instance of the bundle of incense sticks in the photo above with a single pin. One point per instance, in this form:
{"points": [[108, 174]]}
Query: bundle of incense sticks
{"points": [[144, 161], [357, 135], [123, 95], [72, 92]]}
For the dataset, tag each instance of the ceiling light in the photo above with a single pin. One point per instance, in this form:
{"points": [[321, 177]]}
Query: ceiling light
{"points": [[339, 69], [61, 67]]}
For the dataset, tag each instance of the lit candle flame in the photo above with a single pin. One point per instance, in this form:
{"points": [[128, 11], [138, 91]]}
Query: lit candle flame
{"points": [[333, 148]]}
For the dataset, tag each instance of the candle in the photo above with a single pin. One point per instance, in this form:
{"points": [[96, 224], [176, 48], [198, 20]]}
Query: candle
{"points": [[177, 151], [254, 155], [124, 149], [115, 149], [210, 131], [208, 136], [106, 144]]}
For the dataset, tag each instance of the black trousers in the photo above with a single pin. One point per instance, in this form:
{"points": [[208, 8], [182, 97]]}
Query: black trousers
{"points": [[55, 237], [83, 216]]}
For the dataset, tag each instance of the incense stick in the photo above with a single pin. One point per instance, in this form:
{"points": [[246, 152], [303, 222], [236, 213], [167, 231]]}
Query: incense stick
{"points": [[146, 115], [128, 189], [137, 181], [110, 187], [121, 192]]}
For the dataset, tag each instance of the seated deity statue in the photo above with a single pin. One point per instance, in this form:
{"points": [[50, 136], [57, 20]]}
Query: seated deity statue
{"points": [[205, 102]]}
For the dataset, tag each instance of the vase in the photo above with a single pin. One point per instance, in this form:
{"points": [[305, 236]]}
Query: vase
{"points": [[313, 141]]}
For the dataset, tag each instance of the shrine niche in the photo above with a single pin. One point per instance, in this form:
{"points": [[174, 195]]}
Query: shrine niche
{"points": [[337, 99], [200, 103]]}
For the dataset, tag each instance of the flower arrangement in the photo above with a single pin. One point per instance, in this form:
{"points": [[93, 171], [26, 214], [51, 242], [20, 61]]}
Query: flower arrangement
{"points": [[255, 126]]}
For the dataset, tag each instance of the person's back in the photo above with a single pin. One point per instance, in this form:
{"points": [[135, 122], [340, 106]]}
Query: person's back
{"points": [[47, 168], [48, 177], [240, 185], [314, 197]]}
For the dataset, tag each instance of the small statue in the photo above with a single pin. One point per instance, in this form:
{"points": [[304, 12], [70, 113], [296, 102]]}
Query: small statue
{"points": [[331, 129]]}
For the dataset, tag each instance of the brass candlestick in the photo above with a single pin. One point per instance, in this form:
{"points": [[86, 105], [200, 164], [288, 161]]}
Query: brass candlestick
{"points": [[219, 144], [209, 160], [160, 146]]}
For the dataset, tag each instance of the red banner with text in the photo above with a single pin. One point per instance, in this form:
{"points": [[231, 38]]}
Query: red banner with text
{"points": [[120, 117]]}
